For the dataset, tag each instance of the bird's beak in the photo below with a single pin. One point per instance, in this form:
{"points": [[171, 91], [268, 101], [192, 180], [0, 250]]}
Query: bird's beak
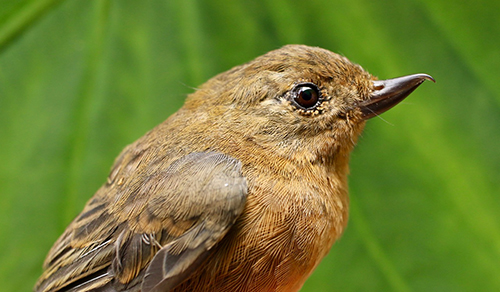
{"points": [[388, 93]]}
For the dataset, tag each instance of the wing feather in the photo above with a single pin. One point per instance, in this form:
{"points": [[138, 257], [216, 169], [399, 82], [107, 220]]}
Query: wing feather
{"points": [[157, 225]]}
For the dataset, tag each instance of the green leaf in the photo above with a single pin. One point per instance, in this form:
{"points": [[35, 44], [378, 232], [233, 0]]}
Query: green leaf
{"points": [[79, 80]]}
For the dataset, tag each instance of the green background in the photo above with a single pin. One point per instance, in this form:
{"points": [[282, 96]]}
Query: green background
{"points": [[80, 79]]}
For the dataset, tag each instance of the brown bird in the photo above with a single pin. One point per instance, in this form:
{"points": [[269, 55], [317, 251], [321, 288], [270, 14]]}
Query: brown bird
{"points": [[243, 189]]}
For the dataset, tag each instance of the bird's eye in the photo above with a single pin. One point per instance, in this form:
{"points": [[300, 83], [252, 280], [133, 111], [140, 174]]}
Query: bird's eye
{"points": [[306, 95]]}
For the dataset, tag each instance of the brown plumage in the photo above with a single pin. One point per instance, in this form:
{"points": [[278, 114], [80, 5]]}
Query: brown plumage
{"points": [[243, 189]]}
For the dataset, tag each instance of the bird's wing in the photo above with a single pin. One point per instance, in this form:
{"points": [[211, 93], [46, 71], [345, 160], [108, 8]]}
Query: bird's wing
{"points": [[153, 231]]}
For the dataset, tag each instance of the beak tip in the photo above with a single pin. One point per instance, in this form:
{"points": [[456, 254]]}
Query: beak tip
{"points": [[427, 77]]}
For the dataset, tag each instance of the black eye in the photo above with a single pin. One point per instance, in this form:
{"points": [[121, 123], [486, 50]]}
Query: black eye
{"points": [[306, 95]]}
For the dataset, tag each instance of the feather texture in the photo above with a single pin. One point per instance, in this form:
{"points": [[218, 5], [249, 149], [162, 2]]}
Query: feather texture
{"points": [[106, 248]]}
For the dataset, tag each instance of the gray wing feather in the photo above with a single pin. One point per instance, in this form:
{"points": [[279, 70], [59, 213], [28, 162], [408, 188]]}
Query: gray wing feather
{"points": [[151, 231], [222, 195]]}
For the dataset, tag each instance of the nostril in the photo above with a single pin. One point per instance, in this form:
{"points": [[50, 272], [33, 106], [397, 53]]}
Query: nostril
{"points": [[379, 87]]}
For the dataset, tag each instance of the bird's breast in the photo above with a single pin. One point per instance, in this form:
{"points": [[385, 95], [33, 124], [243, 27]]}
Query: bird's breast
{"points": [[287, 227]]}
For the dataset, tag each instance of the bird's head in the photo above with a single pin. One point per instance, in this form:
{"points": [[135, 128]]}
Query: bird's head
{"points": [[302, 103]]}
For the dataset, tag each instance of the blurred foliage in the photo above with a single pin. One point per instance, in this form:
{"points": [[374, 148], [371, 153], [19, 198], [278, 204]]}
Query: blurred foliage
{"points": [[81, 79]]}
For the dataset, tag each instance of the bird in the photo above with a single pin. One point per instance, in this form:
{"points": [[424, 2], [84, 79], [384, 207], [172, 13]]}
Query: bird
{"points": [[244, 188]]}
